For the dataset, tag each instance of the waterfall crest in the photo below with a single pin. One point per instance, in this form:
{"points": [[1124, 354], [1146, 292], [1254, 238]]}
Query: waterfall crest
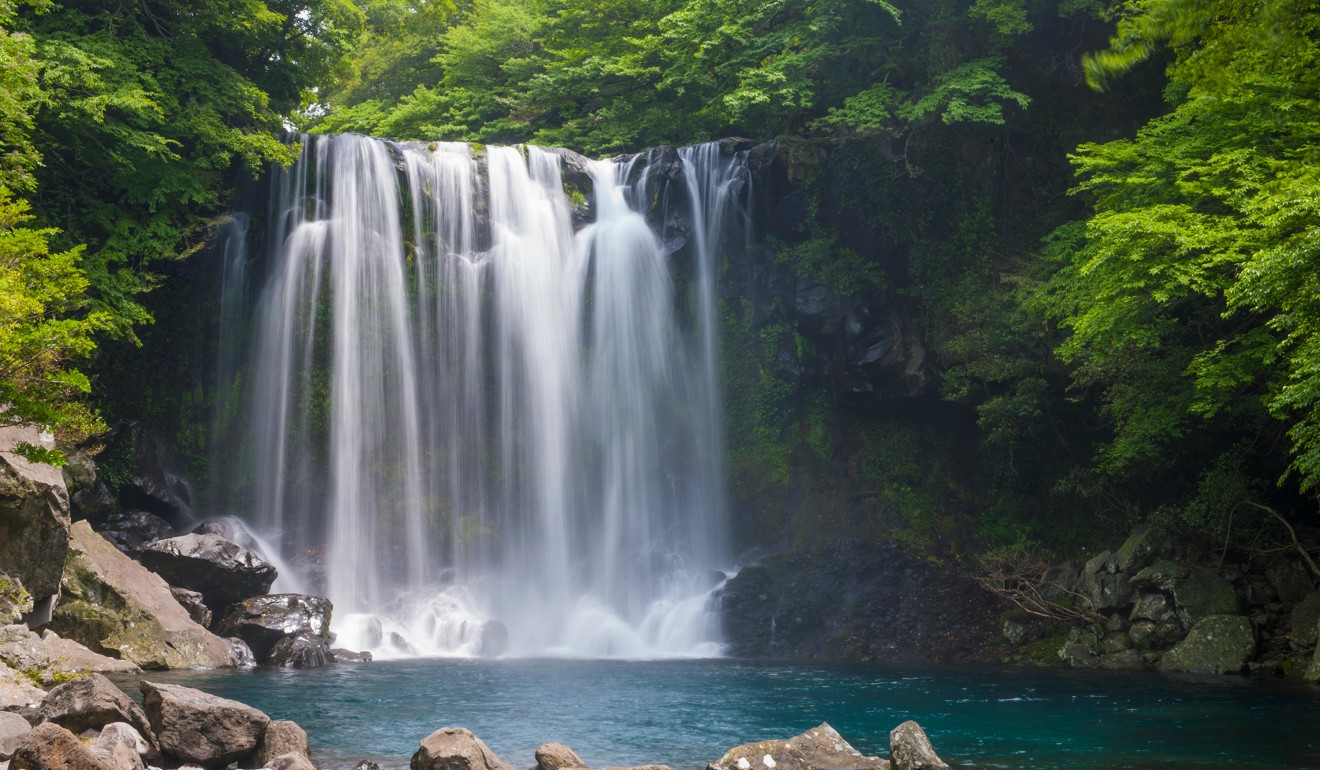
{"points": [[475, 427]]}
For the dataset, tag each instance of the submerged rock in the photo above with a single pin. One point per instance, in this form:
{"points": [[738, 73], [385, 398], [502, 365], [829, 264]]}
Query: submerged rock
{"points": [[821, 748], [1220, 644], [456, 748], [283, 629], [197, 727], [910, 749], [340, 655], [223, 572]]}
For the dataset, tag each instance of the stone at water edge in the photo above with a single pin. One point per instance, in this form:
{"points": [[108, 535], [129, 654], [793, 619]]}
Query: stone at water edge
{"points": [[291, 761], [821, 748], [1312, 673], [121, 746], [266, 621], [1219, 644], [13, 729], [456, 748], [198, 727], [92, 702], [910, 749], [282, 737], [1305, 619], [557, 756], [51, 747], [340, 655], [224, 572]]}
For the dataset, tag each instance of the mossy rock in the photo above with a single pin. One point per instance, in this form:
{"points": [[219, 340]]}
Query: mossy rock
{"points": [[15, 601], [1220, 644], [1305, 617], [1203, 593]]}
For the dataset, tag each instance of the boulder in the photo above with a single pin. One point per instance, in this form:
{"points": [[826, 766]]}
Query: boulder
{"points": [[1150, 635], [130, 464], [1139, 551], [1202, 593], [281, 737], [1305, 616], [13, 729], [1153, 606], [1102, 585], [340, 655], [1312, 673], [22, 650], [1123, 660], [910, 749], [121, 746], [455, 748], [117, 607], [89, 703], [557, 756], [131, 531], [34, 518], [69, 657], [51, 747], [198, 727], [291, 761], [291, 627], [1289, 578], [223, 572], [637, 767], [17, 691], [1159, 575], [821, 748], [1219, 644], [15, 601], [194, 604]]}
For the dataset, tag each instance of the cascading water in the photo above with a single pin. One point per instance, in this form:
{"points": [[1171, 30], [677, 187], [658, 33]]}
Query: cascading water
{"points": [[477, 429]]}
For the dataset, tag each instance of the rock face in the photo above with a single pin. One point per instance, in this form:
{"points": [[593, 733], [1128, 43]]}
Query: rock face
{"points": [[70, 657], [821, 748], [194, 604], [130, 531], [117, 607], [910, 749], [283, 629], [22, 650], [51, 747], [853, 601], [34, 518], [455, 748], [223, 572], [142, 484], [90, 702], [1305, 617], [201, 728], [557, 756], [1219, 644]]}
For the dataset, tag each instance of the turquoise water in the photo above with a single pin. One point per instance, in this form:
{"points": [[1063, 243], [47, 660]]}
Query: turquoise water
{"points": [[687, 713]]}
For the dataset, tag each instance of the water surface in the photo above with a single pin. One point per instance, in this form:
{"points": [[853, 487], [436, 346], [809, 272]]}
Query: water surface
{"points": [[687, 713]]}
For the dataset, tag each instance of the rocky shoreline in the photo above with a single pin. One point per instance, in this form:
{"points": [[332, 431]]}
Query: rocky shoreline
{"points": [[88, 723]]}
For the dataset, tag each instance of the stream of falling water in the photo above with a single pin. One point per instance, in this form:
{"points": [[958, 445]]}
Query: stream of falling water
{"points": [[476, 428]]}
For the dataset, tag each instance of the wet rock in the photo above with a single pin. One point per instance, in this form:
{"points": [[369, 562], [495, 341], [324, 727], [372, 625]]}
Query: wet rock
{"points": [[91, 702], [340, 655], [34, 518], [821, 748], [240, 654], [1077, 654], [1305, 616], [1122, 660], [283, 629], [70, 657], [1290, 579], [143, 484], [557, 756], [51, 747], [1219, 644], [121, 746], [281, 737], [117, 607], [366, 764], [455, 748], [193, 602], [197, 727], [224, 572], [910, 749], [131, 531], [13, 729]]}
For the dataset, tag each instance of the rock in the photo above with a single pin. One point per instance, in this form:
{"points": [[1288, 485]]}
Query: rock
{"points": [[240, 654], [910, 749], [1102, 585], [1305, 616], [121, 746], [637, 767], [1289, 578], [1148, 635], [821, 748], [366, 764], [22, 650], [51, 747], [34, 518], [1260, 593], [1122, 660], [15, 601], [13, 729], [1139, 551], [1203, 593], [1159, 575], [557, 756], [455, 748], [291, 761], [1060, 581], [291, 627], [17, 691], [340, 655], [70, 657], [224, 572], [1219, 644], [91, 702], [197, 727], [194, 604], [1153, 606], [281, 737], [117, 607], [139, 481], [1078, 655], [131, 531], [1312, 673], [1016, 633], [1115, 642]]}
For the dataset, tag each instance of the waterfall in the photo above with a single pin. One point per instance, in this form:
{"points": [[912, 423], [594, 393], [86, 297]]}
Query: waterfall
{"points": [[481, 413]]}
